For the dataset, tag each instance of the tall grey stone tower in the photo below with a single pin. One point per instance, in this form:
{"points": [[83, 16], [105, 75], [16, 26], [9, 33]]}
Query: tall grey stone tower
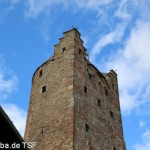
{"points": [[73, 106]]}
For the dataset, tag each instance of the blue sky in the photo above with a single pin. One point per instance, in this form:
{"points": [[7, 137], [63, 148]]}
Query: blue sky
{"points": [[116, 34]]}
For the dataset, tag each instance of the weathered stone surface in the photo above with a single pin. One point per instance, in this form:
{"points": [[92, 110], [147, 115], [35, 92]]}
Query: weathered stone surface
{"points": [[79, 108]]}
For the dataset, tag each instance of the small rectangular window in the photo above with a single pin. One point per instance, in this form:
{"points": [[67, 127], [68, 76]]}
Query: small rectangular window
{"points": [[111, 114], [42, 130], [40, 73], [99, 103], [114, 148], [106, 92], [87, 127], [43, 89], [80, 51], [85, 89], [90, 76], [113, 85], [64, 49]]}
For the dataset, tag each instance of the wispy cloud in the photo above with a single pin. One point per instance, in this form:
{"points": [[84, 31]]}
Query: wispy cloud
{"points": [[121, 16], [128, 9], [8, 81], [110, 38], [17, 116], [92, 4], [35, 8], [146, 142], [142, 123], [133, 68], [6, 7]]}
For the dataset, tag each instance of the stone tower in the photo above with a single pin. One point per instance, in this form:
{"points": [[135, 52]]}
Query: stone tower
{"points": [[73, 106]]}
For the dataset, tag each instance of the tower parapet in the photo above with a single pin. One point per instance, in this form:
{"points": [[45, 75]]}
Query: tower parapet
{"points": [[71, 38]]}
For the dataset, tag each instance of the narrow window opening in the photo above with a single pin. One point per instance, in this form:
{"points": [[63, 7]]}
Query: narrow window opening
{"points": [[87, 127], [114, 148], [64, 49], [80, 51], [90, 76], [43, 89], [99, 103], [106, 92], [111, 114], [85, 89], [113, 85], [42, 130], [41, 73]]}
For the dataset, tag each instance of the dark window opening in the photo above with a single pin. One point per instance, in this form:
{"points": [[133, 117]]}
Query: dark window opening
{"points": [[87, 127], [111, 114], [113, 85], [41, 73], [64, 49], [106, 92], [85, 89], [43, 89], [80, 51], [42, 130], [90, 76], [114, 148], [99, 103], [53, 59]]}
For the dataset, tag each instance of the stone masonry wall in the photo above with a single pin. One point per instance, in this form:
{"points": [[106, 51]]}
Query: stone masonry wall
{"points": [[79, 108]]}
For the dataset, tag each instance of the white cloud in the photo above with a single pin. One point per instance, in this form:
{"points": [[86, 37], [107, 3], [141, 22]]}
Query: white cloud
{"points": [[133, 68], [128, 9], [7, 86], [146, 142], [110, 38], [92, 4], [8, 81], [17, 116], [142, 123], [35, 7], [122, 10]]}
